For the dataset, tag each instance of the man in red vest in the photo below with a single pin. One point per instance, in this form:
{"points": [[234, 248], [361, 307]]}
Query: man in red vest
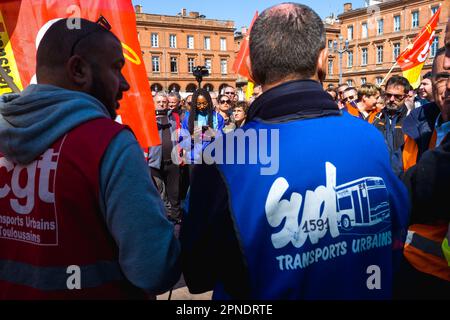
{"points": [[79, 215]]}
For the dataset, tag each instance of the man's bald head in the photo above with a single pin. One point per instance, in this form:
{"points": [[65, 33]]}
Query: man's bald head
{"points": [[89, 59], [60, 43], [286, 41]]}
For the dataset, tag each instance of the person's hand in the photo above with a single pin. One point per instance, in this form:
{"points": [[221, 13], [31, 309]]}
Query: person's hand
{"points": [[197, 133], [209, 134]]}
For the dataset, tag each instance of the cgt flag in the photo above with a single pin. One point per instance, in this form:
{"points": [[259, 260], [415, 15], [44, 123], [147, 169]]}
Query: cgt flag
{"points": [[411, 60], [22, 20], [240, 65]]}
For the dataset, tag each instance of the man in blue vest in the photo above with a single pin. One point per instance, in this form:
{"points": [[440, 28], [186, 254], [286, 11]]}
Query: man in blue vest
{"points": [[327, 219]]}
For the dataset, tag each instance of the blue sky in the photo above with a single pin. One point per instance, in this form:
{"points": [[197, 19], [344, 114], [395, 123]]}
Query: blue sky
{"points": [[240, 11]]}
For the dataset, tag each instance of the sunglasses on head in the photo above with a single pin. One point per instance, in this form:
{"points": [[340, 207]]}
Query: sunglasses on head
{"points": [[397, 97], [101, 22], [224, 101]]}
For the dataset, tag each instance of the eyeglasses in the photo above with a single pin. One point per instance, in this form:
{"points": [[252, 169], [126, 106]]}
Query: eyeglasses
{"points": [[348, 98], [101, 22], [224, 101], [397, 97]]}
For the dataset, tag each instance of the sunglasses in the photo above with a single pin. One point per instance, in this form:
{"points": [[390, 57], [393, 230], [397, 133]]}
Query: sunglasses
{"points": [[397, 97], [224, 101], [232, 93], [101, 22], [348, 98]]}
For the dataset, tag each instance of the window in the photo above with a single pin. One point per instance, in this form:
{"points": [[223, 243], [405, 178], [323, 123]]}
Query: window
{"points": [[173, 40], [223, 44], [155, 40], [350, 83], [190, 42], [380, 27], [207, 45], [191, 63], [223, 66], [434, 47], [350, 59], [364, 57], [365, 30], [208, 64], [350, 33], [397, 23], [330, 67], [330, 44], [396, 50], [155, 64], [434, 9], [363, 80], [378, 80], [415, 19], [379, 54], [173, 65]]}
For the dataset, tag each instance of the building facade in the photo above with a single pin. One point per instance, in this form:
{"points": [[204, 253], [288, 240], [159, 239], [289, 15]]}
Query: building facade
{"points": [[332, 30], [379, 32], [172, 46]]}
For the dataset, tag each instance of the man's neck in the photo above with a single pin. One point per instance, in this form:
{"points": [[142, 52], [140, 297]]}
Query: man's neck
{"points": [[269, 86]]}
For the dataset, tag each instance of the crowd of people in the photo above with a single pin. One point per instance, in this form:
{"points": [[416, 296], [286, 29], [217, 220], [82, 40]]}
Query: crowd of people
{"points": [[355, 210]]}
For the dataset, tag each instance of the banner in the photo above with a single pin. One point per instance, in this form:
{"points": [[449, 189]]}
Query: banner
{"points": [[20, 22], [240, 65], [249, 90], [411, 60]]}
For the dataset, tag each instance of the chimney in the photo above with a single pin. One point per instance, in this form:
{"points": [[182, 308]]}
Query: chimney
{"points": [[138, 9], [194, 14], [183, 12], [347, 7]]}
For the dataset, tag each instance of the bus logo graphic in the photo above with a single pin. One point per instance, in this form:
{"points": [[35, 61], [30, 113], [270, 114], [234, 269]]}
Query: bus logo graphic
{"points": [[362, 202]]}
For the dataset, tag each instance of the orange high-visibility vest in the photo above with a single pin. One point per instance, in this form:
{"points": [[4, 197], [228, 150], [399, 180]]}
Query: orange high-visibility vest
{"points": [[425, 243], [411, 150]]}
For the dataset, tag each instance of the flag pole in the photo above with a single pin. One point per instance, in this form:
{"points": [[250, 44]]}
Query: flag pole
{"points": [[9, 81], [389, 73]]}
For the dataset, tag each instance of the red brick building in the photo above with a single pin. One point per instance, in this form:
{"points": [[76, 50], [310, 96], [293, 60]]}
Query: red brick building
{"points": [[173, 45], [379, 32]]}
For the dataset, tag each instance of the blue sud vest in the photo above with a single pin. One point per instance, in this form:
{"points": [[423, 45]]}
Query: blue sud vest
{"points": [[325, 224]]}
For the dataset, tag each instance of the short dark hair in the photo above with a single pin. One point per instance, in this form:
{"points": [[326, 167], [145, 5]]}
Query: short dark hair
{"points": [[286, 40], [428, 75], [60, 42], [399, 81]]}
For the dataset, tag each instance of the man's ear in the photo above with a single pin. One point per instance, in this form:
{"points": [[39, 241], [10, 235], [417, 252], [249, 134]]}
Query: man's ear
{"points": [[322, 64], [79, 72]]}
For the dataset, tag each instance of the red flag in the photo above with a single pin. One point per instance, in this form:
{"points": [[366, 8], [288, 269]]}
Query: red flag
{"points": [[411, 60], [24, 18], [240, 65]]}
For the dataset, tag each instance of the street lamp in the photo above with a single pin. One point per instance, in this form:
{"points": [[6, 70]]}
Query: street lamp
{"points": [[337, 48]]}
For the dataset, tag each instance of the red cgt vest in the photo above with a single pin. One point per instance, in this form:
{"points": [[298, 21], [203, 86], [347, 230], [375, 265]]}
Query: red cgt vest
{"points": [[54, 243]]}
